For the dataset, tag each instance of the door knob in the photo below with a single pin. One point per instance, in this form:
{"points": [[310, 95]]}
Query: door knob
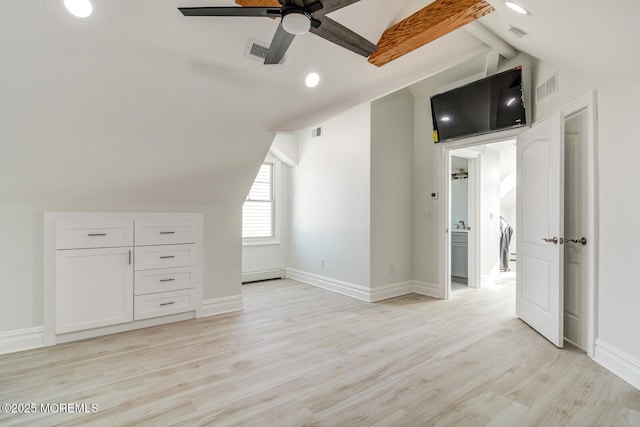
{"points": [[582, 241], [553, 240]]}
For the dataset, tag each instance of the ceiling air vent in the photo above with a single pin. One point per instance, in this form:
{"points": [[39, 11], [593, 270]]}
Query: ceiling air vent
{"points": [[316, 132], [257, 50], [547, 88]]}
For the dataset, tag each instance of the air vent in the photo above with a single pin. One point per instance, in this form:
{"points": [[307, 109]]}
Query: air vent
{"points": [[257, 50], [549, 87], [316, 132], [517, 32]]}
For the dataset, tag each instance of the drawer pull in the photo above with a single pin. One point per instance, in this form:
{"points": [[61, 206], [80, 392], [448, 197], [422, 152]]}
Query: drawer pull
{"points": [[167, 232], [167, 280], [167, 303], [167, 256], [96, 234]]}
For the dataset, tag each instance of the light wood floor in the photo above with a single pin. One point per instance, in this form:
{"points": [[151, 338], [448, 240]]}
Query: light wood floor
{"points": [[298, 355]]}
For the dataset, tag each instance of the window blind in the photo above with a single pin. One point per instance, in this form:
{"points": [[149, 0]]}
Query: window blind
{"points": [[257, 211]]}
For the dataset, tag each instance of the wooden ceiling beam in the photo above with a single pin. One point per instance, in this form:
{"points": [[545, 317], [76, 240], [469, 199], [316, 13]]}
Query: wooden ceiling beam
{"points": [[259, 3], [429, 23]]}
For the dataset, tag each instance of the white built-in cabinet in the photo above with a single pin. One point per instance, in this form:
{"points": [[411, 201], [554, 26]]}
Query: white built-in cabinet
{"points": [[110, 272], [167, 268], [459, 254], [94, 274]]}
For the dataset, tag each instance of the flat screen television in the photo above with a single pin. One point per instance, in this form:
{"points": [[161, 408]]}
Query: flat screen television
{"points": [[489, 105]]}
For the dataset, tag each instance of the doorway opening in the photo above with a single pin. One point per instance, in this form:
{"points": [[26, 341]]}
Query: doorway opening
{"points": [[483, 215]]}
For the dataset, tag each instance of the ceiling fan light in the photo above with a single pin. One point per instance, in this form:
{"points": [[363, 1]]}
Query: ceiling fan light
{"points": [[296, 23]]}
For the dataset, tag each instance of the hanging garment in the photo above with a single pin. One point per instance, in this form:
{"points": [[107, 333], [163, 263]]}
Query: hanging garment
{"points": [[505, 239]]}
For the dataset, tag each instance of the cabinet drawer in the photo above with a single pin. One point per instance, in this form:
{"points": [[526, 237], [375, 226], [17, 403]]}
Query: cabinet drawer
{"points": [[152, 257], [459, 237], [166, 279], [86, 235], [163, 304], [165, 232]]}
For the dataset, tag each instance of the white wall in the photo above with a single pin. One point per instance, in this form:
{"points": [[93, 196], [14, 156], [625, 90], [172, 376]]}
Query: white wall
{"points": [[426, 258], [331, 199], [489, 211], [508, 199], [391, 188], [619, 212], [572, 85], [459, 202]]}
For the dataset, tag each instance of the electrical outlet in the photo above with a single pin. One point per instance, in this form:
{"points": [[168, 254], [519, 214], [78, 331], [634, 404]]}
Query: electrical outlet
{"points": [[321, 262], [392, 269]]}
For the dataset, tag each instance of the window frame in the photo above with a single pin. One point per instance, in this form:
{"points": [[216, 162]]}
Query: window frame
{"points": [[275, 212]]}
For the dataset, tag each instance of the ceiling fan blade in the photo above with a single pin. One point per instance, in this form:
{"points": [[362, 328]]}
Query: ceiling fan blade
{"points": [[269, 12], [332, 5], [342, 36], [279, 45]]}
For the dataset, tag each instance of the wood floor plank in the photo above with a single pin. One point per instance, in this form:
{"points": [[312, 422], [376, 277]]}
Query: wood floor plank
{"points": [[302, 356]]}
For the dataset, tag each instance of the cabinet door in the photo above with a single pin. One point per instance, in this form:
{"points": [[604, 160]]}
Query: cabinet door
{"points": [[94, 287], [459, 260]]}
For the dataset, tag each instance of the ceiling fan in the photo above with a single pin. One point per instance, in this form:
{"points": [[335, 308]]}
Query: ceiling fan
{"points": [[297, 17]]}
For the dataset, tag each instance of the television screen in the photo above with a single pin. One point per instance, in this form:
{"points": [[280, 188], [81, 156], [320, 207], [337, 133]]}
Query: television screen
{"points": [[488, 105]]}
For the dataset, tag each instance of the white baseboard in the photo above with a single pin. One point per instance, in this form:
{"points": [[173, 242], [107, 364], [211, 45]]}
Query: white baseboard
{"points": [[391, 290], [349, 289], [23, 339], [254, 276], [364, 293], [427, 289], [620, 363], [222, 305]]}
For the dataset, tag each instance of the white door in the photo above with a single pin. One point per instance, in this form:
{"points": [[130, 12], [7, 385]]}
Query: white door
{"points": [[575, 227], [539, 212]]}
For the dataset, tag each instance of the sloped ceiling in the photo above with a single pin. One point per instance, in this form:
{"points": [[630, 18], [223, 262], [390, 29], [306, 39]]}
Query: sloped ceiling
{"points": [[141, 102], [591, 36]]}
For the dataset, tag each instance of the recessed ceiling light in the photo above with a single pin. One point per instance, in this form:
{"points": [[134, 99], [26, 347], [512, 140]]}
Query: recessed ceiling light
{"points": [[79, 8], [517, 8], [312, 80], [445, 118]]}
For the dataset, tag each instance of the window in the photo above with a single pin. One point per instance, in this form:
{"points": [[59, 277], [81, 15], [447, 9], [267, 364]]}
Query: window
{"points": [[258, 209]]}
